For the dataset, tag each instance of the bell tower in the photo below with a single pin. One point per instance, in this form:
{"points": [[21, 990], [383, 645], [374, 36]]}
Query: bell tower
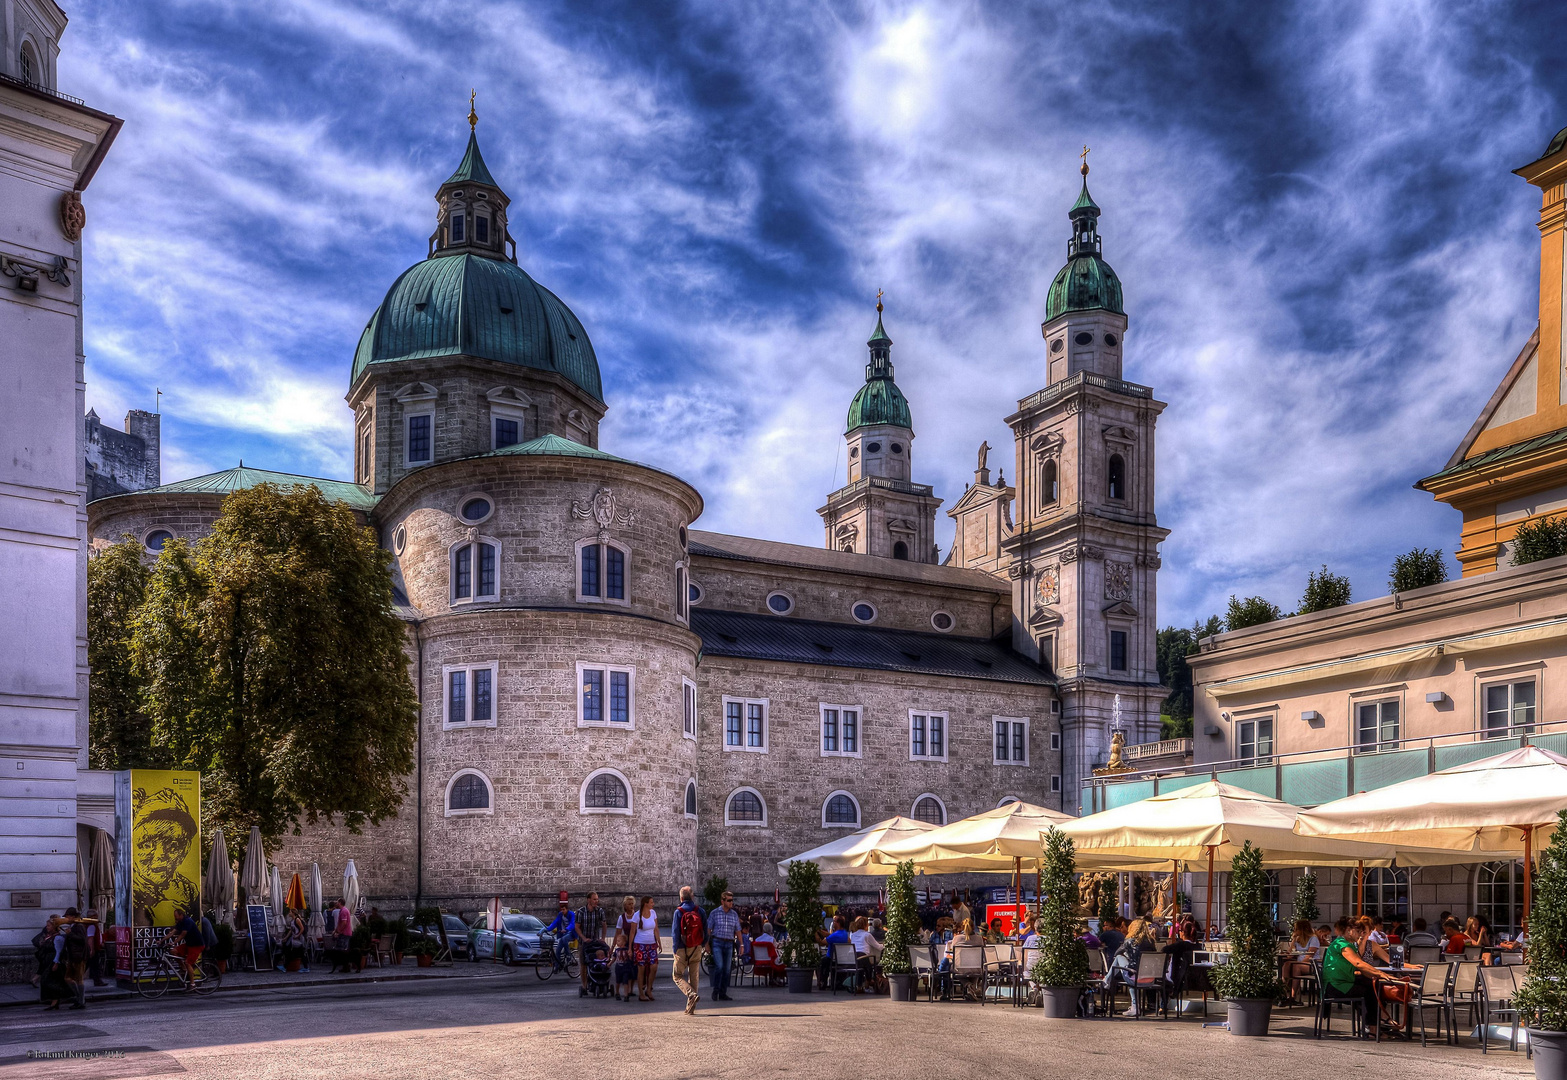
{"points": [[1084, 553]]}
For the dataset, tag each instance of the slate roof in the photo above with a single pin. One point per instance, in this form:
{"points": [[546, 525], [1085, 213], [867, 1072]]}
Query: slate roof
{"points": [[243, 478], [751, 550], [799, 641]]}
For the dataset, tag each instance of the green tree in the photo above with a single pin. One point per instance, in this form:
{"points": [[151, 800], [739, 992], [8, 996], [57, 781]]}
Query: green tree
{"points": [[1253, 970], [1173, 646], [1108, 904], [1306, 898], [803, 915], [1542, 539], [713, 891], [275, 665], [1324, 589], [1542, 1000], [1416, 569], [1252, 611], [119, 731], [1063, 961], [903, 921]]}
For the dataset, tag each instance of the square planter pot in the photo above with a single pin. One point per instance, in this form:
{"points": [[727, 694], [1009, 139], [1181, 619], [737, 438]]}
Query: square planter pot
{"points": [[1249, 1016], [800, 980]]}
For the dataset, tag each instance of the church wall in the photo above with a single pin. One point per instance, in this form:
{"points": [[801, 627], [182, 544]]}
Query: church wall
{"points": [[795, 779], [188, 517]]}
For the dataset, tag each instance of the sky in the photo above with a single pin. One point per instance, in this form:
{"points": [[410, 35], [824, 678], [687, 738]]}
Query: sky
{"points": [[1327, 262]]}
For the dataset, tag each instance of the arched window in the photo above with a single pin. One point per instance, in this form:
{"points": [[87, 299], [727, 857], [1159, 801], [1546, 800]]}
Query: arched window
{"points": [[1387, 893], [690, 798], [1499, 894], [682, 594], [468, 793], [605, 791], [900, 550], [840, 811], [474, 571], [929, 809], [28, 64], [745, 807], [603, 572], [1117, 476], [1049, 484]]}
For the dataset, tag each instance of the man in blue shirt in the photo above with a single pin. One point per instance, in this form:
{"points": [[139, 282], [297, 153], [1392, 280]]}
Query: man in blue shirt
{"points": [[723, 938], [688, 935], [564, 928], [839, 936]]}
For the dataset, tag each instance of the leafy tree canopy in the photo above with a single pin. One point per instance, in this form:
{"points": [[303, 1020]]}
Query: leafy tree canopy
{"points": [[1324, 589], [1416, 569], [1252, 611], [1173, 645]]}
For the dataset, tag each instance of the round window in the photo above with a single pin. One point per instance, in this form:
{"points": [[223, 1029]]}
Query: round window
{"points": [[1085, 338], [1057, 345], [780, 604], [1111, 339], [864, 612], [854, 451], [694, 593], [941, 621], [399, 539], [157, 538], [476, 509], [897, 448], [873, 448]]}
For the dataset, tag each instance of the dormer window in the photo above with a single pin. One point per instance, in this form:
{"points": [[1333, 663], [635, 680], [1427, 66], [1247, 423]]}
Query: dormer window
{"points": [[454, 228], [481, 229]]}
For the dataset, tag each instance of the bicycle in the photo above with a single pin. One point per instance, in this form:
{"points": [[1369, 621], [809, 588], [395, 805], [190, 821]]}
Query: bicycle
{"points": [[169, 969], [549, 962]]}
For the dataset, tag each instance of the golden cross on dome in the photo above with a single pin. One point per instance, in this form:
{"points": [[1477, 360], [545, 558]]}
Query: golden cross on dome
{"points": [[878, 301], [1084, 156], [473, 117]]}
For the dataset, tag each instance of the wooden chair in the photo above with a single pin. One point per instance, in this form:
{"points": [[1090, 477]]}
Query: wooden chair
{"points": [[844, 962], [924, 968], [1495, 994], [968, 966], [1431, 992]]}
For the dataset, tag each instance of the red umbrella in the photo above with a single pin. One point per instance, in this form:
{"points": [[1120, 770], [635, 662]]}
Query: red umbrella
{"points": [[296, 894]]}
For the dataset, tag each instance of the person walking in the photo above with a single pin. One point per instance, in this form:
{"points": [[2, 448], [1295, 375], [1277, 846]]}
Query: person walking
{"points": [[590, 936], [645, 947], [690, 937], [723, 938]]}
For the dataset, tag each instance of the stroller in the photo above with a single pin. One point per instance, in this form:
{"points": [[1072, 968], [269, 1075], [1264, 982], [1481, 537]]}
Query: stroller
{"points": [[598, 968]]}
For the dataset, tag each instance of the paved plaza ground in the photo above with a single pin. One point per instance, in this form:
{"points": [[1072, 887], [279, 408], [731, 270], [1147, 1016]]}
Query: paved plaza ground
{"points": [[511, 1025]]}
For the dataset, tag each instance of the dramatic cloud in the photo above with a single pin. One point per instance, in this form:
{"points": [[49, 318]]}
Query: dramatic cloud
{"points": [[1326, 260]]}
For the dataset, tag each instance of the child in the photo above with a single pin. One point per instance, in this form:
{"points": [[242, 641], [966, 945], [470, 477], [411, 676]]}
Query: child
{"points": [[625, 970]]}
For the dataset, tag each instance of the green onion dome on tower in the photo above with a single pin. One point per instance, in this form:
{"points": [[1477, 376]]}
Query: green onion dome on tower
{"points": [[879, 401], [1086, 282], [470, 298]]}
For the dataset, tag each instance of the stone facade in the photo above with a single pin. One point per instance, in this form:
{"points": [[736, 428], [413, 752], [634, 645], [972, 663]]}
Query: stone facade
{"points": [[121, 461]]}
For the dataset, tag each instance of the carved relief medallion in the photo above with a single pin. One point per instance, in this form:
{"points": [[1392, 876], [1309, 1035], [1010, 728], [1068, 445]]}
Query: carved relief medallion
{"points": [[1118, 580], [602, 508]]}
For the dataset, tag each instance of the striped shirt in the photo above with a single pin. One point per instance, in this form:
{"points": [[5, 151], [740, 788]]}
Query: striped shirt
{"points": [[723, 925]]}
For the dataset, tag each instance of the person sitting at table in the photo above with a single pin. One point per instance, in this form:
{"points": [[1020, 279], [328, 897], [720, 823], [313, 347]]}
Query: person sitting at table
{"points": [[1123, 968], [1324, 935], [1345, 971], [1375, 944], [1086, 935], [1111, 935], [1454, 936], [1421, 936], [1484, 936], [993, 932], [1397, 932], [1303, 947]]}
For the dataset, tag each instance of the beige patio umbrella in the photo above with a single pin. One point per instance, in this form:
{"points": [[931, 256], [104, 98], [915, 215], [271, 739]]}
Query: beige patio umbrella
{"points": [[351, 887], [217, 884], [1494, 808], [1209, 822], [317, 925], [1000, 841], [101, 874], [277, 895], [856, 852], [253, 871]]}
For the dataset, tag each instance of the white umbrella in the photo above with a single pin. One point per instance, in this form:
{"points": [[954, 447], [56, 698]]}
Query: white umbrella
{"points": [[856, 852], [277, 895], [83, 885], [317, 926], [218, 882], [351, 895], [253, 872], [101, 867]]}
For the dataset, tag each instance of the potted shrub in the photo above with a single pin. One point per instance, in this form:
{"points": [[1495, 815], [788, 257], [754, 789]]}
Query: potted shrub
{"points": [[1306, 898], [360, 942], [400, 939], [1542, 1000], [423, 950], [1251, 979], [1062, 967], [802, 918], [903, 930]]}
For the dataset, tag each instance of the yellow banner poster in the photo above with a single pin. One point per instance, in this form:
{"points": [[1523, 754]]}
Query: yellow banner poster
{"points": [[158, 831]]}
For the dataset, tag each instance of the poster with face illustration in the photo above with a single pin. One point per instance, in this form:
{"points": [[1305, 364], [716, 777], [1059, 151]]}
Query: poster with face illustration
{"points": [[158, 845]]}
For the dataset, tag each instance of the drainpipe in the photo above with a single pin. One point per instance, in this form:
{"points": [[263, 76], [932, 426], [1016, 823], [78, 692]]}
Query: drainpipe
{"points": [[419, 770]]}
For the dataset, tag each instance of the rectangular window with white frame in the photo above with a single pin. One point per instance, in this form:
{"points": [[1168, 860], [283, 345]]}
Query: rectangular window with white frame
{"points": [[1509, 708], [603, 572], [1011, 745], [1254, 740], [469, 695], [688, 708], [840, 730], [1055, 740], [1376, 725], [419, 444], [745, 725], [927, 735], [606, 696]]}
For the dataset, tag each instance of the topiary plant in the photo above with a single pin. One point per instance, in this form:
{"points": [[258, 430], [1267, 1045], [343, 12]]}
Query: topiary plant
{"points": [[1107, 903], [1542, 1000], [1306, 897], [1253, 970], [803, 916], [903, 921], [1063, 961]]}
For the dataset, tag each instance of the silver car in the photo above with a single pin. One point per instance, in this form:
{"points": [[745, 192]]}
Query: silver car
{"points": [[522, 939]]}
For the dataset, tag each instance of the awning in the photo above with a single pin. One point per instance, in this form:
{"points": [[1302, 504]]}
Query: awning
{"points": [[1500, 639], [1383, 665]]}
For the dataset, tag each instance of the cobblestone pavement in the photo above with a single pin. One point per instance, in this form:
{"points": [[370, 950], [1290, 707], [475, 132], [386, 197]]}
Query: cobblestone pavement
{"points": [[513, 1025]]}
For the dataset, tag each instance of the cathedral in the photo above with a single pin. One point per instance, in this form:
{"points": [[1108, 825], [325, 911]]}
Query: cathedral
{"points": [[613, 698]]}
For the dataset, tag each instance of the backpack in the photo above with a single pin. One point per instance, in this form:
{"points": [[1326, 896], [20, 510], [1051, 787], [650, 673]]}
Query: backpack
{"points": [[691, 928], [76, 943]]}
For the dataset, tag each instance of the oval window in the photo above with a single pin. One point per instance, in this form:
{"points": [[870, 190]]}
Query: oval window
{"points": [[694, 592], [854, 451], [399, 539], [476, 509], [897, 448], [1057, 345], [780, 604], [1085, 338], [683, 537], [873, 448], [864, 612], [1111, 339], [157, 538], [941, 621]]}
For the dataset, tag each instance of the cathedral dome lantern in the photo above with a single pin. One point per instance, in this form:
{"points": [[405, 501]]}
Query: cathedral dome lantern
{"points": [[1086, 282], [879, 401]]}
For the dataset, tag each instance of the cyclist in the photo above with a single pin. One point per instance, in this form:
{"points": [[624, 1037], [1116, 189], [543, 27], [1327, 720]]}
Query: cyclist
{"points": [[564, 928], [190, 944]]}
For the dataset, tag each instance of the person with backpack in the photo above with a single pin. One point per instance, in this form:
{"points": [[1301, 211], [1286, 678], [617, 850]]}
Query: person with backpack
{"points": [[689, 932]]}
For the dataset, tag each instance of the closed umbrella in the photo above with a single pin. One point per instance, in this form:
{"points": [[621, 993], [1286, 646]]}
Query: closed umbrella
{"points": [[351, 886], [856, 853], [217, 884], [83, 885], [277, 894], [317, 924], [101, 874], [253, 872], [296, 894], [1498, 807]]}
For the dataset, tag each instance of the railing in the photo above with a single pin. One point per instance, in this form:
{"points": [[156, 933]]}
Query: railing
{"points": [[1310, 777], [865, 483], [40, 88], [1076, 382], [1162, 748]]}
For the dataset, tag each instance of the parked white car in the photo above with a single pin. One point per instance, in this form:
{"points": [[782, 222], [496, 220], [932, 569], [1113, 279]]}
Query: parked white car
{"points": [[522, 939]]}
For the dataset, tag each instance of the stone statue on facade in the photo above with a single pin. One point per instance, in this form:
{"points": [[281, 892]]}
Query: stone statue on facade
{"points": [[1117, 762]]}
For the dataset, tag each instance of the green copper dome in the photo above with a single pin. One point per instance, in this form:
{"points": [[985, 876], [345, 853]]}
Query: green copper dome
{"points": [[879, 400], [469, 305], [1086, 282]]}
